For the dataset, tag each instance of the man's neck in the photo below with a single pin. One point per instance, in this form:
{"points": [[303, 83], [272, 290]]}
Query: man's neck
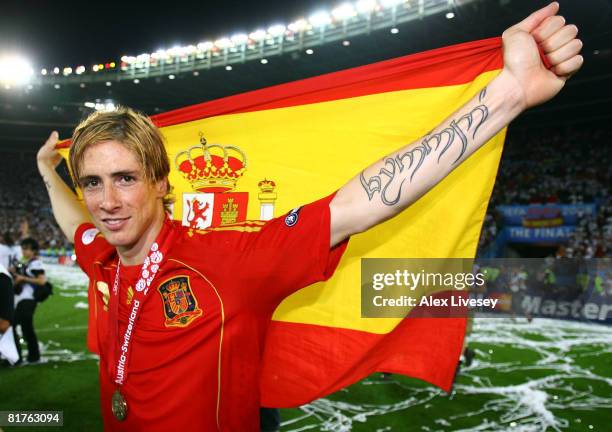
{"points": [[137, 253]]}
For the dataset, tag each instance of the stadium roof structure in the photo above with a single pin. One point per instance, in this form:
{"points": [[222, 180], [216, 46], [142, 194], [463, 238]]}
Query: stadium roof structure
{"points": [[348, 36]]}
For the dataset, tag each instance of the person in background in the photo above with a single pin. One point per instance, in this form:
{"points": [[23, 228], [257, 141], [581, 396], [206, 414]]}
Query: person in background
{"points": [[9, 251], [28, 278]]}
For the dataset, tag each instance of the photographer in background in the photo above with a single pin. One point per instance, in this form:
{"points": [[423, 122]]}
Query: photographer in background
{"points": [[29, 277]]}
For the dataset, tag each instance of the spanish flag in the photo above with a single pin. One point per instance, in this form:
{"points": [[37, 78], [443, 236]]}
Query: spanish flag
{"points": [[265, 152]]}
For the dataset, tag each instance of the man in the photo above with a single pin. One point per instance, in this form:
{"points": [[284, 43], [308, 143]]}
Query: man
{"points": [[6, 299], [8, 350], [27, 281], [9, 251], [181, 315]]}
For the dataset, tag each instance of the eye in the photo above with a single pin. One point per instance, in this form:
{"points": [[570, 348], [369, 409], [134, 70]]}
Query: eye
{"points": [[126, 179], [90, 184]]}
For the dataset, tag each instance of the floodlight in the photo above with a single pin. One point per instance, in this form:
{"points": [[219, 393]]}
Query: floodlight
{"points": [[276, 30], [205, 46], [298, 25], [258, 35], [390, 3], [15, 70], [240, 38], [344, 12], [320, 19], [366, 6], [223, 43]]}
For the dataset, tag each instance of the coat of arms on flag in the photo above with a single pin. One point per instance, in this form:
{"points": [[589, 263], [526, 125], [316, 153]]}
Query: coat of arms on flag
{"points": [[213, 171]]}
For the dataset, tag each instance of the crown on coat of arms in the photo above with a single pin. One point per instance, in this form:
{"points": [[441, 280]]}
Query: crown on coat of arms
{"points": [[266, 185], [211, 167], [174, 285]]}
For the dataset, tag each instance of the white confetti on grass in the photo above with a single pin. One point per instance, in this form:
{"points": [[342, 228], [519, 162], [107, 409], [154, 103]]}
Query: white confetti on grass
{"points": [[52, 352], [526, 405], [68, 281]]}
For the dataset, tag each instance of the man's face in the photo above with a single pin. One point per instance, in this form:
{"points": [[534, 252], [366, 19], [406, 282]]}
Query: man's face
{"points": [[124, 206], [27, 253]]}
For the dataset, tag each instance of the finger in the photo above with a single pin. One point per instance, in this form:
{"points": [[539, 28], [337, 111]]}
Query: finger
{"points": [[548, 27], [564, 53], [532, 21], [569, 67], [53, 137], [560, 38]]}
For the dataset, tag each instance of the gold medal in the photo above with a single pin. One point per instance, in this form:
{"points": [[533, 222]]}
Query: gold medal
{"points": [[119, 406]]}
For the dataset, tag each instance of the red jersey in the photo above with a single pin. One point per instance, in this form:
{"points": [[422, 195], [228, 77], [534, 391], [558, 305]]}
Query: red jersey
{"points": [[198, 342]]}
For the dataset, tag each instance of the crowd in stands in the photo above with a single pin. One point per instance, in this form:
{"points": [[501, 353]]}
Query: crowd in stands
{"points": [[570, 165], [593, 235], [565, 166], [25, 210]]}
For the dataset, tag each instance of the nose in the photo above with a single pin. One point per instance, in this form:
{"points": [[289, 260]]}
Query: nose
{"points": [[110, 201]]}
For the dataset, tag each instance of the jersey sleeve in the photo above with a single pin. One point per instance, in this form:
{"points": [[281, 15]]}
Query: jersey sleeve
{"points": [[89, 244], [292, 251]]}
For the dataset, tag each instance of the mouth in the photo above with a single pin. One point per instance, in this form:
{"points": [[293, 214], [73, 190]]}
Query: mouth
{"points": [[114, 224]]}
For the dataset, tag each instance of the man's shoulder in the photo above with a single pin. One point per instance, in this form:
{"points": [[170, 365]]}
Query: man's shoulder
{"points": [[35, 264], [91, 247]]}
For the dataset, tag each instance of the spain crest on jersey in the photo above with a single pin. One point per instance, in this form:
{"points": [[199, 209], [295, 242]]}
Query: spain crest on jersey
{"points": [[180, 305]]}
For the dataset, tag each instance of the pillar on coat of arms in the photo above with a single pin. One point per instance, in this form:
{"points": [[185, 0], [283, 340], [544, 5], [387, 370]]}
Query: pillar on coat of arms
{"points": [[267, 198]]}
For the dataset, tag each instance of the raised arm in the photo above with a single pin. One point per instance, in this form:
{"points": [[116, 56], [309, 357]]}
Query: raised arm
{"points": [[390, 185], [68, 212]]}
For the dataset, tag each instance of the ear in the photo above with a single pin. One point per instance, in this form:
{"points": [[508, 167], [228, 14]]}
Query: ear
{"points": [[161, 187]]}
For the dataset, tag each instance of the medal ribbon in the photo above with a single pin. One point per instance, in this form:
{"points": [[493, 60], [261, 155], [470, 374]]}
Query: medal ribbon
{"points": [[120, 353]]}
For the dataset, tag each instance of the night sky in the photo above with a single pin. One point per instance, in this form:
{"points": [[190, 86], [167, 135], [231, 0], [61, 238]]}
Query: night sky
{"points": [[70, 33]]}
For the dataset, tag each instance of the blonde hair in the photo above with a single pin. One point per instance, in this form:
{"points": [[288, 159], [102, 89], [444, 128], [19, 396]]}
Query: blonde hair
{"points": [[135, 131]]}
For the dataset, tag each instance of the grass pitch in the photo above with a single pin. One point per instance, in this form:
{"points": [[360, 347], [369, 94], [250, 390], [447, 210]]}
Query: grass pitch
{"points": [[545, 376]]}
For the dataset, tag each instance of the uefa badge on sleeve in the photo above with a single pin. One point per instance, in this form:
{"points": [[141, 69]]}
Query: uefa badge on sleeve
{"points": [[292, 217], [89, 236]]}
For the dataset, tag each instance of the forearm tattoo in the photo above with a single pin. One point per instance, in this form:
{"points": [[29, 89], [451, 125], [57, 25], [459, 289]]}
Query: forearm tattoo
{"points": [[403, 166]]}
